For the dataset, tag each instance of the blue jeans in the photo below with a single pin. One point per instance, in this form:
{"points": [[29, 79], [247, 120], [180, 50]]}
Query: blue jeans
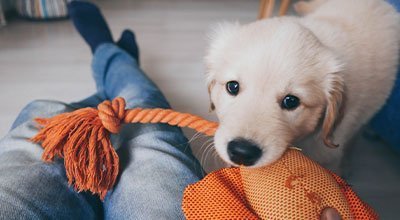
{"points": [[156, 160]]}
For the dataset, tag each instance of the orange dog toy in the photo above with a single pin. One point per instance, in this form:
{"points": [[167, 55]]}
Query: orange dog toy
{"points": [[293, 187]]}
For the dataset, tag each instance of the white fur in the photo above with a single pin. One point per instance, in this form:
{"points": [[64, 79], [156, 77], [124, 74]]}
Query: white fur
{"points": [[341, 57]]}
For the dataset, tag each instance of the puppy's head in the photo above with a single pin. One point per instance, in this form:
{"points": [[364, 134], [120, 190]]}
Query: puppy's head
{"points": [[271, 82]]}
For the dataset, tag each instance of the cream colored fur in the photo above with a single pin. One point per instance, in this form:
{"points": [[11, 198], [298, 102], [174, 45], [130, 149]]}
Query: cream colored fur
{"points": [[340, 59]]}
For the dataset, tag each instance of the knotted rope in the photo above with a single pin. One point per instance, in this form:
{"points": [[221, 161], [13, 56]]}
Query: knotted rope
{"points": [[82, 138]]}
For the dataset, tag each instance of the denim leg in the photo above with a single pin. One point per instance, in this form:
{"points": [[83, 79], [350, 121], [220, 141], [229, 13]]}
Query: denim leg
{"points": [[156, 160], [116, 73], [31, 189]]}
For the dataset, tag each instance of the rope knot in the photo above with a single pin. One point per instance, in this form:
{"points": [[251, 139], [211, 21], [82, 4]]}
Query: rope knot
{"points": [[111, 113], [82, 138]]}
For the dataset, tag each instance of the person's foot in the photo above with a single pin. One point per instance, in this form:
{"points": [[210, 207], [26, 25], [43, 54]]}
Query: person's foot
{"points": [[128, 43], [90, 23]]}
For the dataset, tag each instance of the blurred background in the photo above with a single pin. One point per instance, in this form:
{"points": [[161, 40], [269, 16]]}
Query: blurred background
{"points": [[43, 57], [47, 59]]}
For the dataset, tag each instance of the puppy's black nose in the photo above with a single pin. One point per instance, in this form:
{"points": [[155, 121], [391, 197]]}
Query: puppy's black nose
{"points": [[243, 152]]}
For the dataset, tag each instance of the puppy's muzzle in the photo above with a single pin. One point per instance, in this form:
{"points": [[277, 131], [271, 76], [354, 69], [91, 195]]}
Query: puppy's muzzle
{"points": [[243, 152]]}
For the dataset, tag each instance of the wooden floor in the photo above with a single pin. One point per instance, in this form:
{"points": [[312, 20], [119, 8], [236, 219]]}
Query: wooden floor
{"points": [[48, 60]]}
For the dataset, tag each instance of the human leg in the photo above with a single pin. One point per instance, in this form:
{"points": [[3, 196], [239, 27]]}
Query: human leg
{"points": [[31, 189]]}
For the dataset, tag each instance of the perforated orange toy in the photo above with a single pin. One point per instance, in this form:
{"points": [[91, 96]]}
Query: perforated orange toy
{"points": [[294, 187]]}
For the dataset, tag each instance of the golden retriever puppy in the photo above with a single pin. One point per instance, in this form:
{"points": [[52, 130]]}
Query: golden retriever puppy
{"points": [[309, 81]]}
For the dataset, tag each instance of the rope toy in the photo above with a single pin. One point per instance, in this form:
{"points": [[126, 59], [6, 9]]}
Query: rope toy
{"points": [[293, 186], [82, 138]]}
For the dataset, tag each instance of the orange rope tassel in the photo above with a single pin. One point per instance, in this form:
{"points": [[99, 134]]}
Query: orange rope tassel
{"points": [[82, 138]]}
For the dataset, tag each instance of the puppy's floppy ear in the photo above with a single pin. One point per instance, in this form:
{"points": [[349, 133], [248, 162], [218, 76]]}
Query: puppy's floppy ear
{"points": [[218, 38], [334, 92], [210, 87]]}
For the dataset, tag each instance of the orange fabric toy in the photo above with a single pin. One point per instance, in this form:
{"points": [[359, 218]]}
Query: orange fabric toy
{"points": [[292, 188]]}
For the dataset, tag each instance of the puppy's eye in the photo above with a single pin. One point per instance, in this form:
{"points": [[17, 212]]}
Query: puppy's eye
{"points": [[290, 102], [232, 87]]}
